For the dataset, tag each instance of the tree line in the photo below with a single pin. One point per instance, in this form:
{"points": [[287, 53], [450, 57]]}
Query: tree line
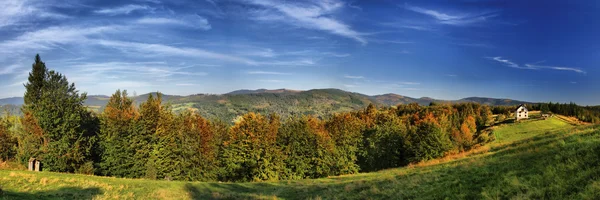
{"points": [[150, 141]]}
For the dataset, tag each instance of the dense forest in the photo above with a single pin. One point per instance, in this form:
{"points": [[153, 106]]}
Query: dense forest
{"points": [[151, 141]]}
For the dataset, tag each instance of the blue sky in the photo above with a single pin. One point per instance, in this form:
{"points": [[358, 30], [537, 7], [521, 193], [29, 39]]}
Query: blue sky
{"points": [[526, 50]]}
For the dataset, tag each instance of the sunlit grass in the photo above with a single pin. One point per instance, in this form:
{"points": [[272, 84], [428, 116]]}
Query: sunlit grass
{"points": [[534, 159]]}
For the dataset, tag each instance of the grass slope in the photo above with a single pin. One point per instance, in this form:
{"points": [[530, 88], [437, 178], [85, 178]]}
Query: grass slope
{"points": [[536, 159]]}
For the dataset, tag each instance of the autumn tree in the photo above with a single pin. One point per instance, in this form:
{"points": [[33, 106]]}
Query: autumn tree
{"points": [[200, 147], [250, 152]]}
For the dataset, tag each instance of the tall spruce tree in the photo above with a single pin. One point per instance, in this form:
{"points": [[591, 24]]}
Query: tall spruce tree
{"points": [[145, 137], [117, 129], [56, 107]]}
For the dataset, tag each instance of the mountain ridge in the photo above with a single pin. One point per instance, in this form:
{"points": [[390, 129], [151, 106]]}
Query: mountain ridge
{"points": [[387, 98], [284, 102]]}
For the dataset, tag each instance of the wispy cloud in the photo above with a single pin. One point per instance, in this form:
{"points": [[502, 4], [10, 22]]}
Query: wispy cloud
{"points": [[555, 68], [48, 38], [342, 55], [535, 66], [271, 81], [404, 24], [149, 69], [266, 73], [308, 15], [506, 62], [482, 45], [192, 21], [16, 11], [185, 84], [149, 49], [10, 69], [392, 41], [123, 10], [353, 77], [459, 19]]}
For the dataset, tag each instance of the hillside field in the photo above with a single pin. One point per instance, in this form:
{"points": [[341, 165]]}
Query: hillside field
{"points": [[532, 159]]}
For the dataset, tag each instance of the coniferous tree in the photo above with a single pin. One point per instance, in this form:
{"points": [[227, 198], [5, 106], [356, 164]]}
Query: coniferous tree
{"points": [[117, 129], [199, 147], [145, 137], [57, 108], [307, 147]]}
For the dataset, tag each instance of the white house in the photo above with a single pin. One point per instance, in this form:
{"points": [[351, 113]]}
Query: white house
{"points": [[521, 112]]}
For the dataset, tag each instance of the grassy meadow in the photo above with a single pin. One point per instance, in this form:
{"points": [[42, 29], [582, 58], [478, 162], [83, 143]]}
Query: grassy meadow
{"points": [[532, 159]]}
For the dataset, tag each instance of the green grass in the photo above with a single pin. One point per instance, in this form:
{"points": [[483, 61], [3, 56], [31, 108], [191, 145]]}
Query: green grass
{"points": [[546, 159]]}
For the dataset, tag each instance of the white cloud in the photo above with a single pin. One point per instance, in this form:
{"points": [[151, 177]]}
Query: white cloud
{"points": [[10, 69], [193, 21], [15, 11], [391, 41], [123, 10], [506, 62], [185, 84], [353, 77], [267, 73], [166, 50], [308, 15], [48, 38], [555, 68], [410, 83], [452, 19], [126, 84], [301, 62], [271, 81], [534, 66], [336, 54], [259, 52]]}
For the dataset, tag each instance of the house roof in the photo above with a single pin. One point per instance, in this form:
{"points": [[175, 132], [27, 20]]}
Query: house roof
{"points": [[522, 105]]}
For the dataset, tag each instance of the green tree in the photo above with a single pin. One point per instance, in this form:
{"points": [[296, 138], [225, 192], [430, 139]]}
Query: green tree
{"points": [[345, 129], [144, 138], [57, 108], [307, 147], [8, 143], [383, 144], [117, 128]]}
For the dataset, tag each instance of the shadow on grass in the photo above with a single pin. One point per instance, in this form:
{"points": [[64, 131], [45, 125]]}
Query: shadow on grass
{"points": [[62, 193]]}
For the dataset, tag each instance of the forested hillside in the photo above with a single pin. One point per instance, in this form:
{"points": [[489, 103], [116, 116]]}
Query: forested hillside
{"points": [[318, 102]]}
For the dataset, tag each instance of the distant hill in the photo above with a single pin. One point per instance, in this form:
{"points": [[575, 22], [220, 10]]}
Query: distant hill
{"points": [[12, 101], [492, 101], [277, 91], [285, 102]]}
